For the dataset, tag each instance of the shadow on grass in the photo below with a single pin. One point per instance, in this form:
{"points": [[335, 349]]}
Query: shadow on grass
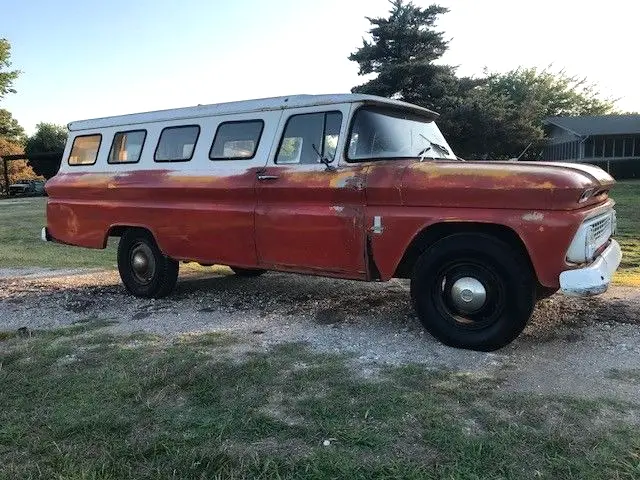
{"points": [[89, 404]]}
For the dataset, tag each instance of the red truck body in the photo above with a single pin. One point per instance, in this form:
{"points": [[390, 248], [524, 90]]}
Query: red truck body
{"points": [[362, 220]]}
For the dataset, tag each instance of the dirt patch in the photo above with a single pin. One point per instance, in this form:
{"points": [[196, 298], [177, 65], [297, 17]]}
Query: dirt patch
{"points": [[569, 346]]}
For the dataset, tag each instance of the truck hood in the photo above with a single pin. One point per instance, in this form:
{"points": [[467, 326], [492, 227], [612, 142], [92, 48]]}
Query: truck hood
{"points": [[519, 185]]}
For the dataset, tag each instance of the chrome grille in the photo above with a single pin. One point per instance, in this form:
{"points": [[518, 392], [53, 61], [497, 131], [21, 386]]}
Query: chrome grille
{"points": [[591, 236], [601, 229]]}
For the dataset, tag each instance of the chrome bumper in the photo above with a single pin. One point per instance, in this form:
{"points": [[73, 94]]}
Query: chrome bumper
{"points": [[594, 279]]}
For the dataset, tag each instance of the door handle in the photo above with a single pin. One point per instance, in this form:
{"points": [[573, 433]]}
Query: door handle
{"points": [[268, 177]]}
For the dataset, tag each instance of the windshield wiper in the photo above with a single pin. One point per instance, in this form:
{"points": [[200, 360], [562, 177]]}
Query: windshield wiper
{"points": [[442, 148], [423, 153]]}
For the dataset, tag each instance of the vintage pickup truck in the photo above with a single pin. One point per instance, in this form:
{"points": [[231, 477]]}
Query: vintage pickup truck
{"points": [[348, 186]]}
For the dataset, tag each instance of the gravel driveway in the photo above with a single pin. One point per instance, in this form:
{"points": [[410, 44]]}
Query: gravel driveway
{"points": [[584, 347]]}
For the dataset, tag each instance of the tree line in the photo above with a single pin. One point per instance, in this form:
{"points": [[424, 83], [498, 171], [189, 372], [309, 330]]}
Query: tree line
{"points": [[13, 140], [494, 116]]}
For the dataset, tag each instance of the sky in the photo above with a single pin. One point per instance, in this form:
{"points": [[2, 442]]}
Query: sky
{"points": [[88, 58]]}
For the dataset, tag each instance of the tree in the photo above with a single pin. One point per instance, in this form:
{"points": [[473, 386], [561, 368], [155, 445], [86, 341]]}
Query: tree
{"points": [[545, 93], [496, 116], [401, 52], [7, 77], [504, 115], [49, 138], [16, 169], [10, 129]]}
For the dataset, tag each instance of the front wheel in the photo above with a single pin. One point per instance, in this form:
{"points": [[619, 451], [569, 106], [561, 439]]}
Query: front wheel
{"points": [[473, 291], [145, 271]]}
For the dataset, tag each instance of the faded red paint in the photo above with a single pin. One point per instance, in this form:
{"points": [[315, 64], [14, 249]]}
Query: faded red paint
{"points": [[320, 222]]}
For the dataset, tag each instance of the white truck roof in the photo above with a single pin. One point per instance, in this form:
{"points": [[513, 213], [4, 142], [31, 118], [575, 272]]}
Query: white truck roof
{"points": [[245, 106]]}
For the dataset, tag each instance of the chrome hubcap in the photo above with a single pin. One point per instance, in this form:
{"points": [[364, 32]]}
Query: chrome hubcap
{"points": [[143, 264], [468, 295]]}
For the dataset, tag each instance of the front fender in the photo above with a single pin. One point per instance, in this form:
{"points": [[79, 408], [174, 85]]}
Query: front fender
{"points": [[545, 235]]}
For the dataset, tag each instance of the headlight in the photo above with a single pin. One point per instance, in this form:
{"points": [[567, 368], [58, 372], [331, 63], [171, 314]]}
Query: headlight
{"points": [[586, 195]]}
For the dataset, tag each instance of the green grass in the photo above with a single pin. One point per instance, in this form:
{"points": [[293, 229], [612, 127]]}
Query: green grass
{"points": [[82, 403], [20, 244], [627, 197]]}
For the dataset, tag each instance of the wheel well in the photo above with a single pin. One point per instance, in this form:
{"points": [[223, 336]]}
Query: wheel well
{"points": [[438, 231], [118, 230]]}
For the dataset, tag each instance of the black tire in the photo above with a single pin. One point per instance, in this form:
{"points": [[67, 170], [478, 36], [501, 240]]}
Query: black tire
{"points": [[247, 272], [488, 322], [155, 280]]}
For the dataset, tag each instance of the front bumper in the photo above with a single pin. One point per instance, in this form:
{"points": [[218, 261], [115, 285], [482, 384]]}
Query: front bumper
{"points": [[594, 279]]}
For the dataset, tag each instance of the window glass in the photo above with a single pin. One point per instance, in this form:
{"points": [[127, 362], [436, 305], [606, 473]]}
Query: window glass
{"points": [[84, 150], [177, 143], [333, 122], [389, 133], [628, 146], [236, 140], [617, 147], [302, 137], [636, 147], [588, 148], [127, 146], [608, 147], [307, 137], [599, 143]]}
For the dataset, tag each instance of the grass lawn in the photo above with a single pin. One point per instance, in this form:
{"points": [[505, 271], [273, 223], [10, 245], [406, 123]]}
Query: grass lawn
{"points": [[80, 403], [627, 197], [21, 221]]}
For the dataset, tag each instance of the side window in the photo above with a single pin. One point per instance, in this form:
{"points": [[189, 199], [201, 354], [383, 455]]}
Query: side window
{"points": [[84, 150], [308, 136], [127, 146], [332, 124], [236, 140], [177, 144]]}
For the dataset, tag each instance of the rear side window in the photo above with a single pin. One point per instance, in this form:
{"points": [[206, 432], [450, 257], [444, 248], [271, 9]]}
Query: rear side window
{"points": [[127, 146], [236, 140], [84, 150], [177, 144]]}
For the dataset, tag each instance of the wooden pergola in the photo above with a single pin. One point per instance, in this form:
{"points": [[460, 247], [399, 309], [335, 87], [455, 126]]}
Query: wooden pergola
{"points": [[48, 156]]}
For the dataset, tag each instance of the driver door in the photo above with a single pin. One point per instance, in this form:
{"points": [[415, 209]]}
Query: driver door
{"points": [[309, 217]]}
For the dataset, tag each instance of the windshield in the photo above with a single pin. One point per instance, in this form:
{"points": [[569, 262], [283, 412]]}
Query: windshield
{"points": [[387, 133]]}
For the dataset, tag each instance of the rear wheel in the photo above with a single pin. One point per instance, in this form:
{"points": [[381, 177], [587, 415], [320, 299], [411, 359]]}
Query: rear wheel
{"points": [[473, 291], [144, 269], [247, 272]]}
